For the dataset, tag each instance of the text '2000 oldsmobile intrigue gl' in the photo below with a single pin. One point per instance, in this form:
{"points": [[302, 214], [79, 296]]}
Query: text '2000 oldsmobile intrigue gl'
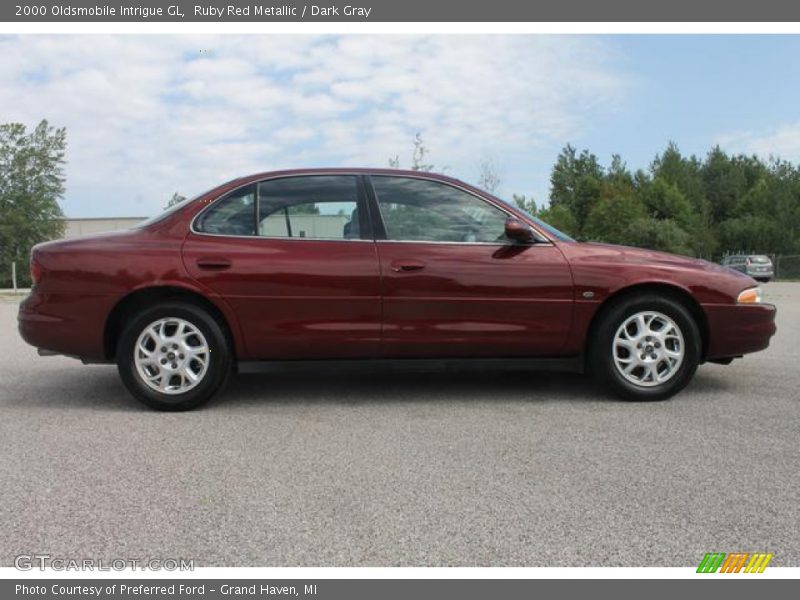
{"points": [[369, 264]]}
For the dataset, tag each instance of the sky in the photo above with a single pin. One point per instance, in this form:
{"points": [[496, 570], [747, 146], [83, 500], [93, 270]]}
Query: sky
{"points": [[147, 116]]}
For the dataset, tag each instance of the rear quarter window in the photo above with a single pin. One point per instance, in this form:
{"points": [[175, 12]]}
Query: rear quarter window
{"points": [[233, 214]]}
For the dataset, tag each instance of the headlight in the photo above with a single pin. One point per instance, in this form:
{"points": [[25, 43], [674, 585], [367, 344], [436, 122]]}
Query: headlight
{"points": [[750, 296]]}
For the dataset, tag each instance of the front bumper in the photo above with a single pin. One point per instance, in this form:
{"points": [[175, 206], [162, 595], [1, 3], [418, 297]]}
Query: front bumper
{"points": [[737, 329]]}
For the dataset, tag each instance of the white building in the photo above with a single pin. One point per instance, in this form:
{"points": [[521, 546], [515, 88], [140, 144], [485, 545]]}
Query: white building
{"points": [[78, 227]]}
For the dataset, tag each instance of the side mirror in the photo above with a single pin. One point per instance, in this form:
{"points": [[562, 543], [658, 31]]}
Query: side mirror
{"points": [[518, 231]]}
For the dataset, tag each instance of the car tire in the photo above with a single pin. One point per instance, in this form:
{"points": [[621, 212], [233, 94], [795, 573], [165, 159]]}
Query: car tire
{"points": [[653, 363], [174, 356]]}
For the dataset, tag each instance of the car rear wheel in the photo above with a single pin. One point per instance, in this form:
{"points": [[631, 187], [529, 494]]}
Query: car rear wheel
{"points": [[646, 347], [173, 356]]}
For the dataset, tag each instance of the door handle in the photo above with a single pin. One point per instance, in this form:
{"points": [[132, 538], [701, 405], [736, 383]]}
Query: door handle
{"points": [[405, 266], [214, 263]]}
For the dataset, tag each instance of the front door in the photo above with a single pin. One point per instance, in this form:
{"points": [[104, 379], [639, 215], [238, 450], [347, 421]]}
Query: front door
{"points": [[453, 285], [295, 260]]}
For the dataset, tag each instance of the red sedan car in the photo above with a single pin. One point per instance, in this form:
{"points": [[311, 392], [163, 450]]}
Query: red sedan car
{"points": [[377, 264]]}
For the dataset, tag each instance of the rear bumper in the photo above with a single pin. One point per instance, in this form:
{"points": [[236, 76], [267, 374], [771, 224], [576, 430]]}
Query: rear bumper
{"points": [[761, 274], [64, 324], [736, 329]]}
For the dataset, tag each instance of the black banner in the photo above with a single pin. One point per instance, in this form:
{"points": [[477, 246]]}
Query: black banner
{"points": [[388, 589], [394, 11]]}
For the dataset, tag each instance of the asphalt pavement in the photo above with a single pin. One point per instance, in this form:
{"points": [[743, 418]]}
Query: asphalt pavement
{"points": [[404, 469]]}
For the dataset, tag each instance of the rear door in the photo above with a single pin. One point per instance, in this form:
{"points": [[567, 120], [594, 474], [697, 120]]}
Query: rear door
{"points": [[295, 259], [454, 286]]}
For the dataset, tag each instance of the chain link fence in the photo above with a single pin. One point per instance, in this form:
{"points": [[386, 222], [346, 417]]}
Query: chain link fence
{"points": [[787, 267]]}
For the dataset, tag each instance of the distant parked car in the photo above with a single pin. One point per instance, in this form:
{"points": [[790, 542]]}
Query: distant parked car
{"points": [[366, 264], [757, 266]]}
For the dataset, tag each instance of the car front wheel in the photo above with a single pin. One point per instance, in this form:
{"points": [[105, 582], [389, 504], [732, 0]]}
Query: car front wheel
{"points": [[646, 347], [173, 356]]}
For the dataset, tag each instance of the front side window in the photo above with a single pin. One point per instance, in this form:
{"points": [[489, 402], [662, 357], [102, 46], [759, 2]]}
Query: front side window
{"points": [[233, 214], [322, 207], [424, 210]]}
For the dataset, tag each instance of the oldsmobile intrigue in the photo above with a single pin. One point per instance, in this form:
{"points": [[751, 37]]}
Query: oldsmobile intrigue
{"points": [[377, 264]]}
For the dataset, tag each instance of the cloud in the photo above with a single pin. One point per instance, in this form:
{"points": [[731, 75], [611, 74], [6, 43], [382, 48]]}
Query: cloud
{"points": [[782, 142], [150, 115]]}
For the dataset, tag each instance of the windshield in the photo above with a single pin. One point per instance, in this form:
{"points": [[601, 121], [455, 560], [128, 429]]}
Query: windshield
{"points": [[759, 259], [559, 235]]}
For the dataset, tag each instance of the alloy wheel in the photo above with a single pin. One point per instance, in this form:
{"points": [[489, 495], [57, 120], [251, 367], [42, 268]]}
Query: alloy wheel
{"points": [[171, 355], [648, 348]]}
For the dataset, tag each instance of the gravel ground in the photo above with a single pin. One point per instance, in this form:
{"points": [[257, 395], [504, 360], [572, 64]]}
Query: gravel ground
{"points": [[420, 469]]}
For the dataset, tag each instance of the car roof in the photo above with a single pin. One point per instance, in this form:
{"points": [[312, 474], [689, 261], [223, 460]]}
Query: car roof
{"points": [[352, 171]]}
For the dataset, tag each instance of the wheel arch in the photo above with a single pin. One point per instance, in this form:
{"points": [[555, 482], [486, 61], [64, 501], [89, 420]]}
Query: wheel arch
{"points": [[152, 295], [672, 291]]}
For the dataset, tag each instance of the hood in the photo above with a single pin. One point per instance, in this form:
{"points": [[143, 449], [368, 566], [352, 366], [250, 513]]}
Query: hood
{"points": [[633, 255]]}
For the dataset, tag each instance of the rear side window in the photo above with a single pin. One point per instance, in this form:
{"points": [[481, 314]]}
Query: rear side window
{"points": [[233, 214], [320, 207]]}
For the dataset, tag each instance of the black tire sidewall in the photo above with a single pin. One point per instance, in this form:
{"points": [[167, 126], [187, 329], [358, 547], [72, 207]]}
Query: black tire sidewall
{"points": [[219, 357], [602, 356]]}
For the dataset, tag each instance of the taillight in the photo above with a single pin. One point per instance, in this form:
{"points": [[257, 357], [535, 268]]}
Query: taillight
{"points": [[36, 271]]}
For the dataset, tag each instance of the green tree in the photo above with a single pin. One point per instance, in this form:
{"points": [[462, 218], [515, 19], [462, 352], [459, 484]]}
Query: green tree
{"points": [[751, 233], [31, 183], [576, 183], [659, 234], [525, 203], [419, 155], [612, 218], [176, 199], [663, 200], [684, 174], [304, 209], [724, 182], [701, 207], [618, 175], [782, 204], [560, 217], [489, 178]]}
